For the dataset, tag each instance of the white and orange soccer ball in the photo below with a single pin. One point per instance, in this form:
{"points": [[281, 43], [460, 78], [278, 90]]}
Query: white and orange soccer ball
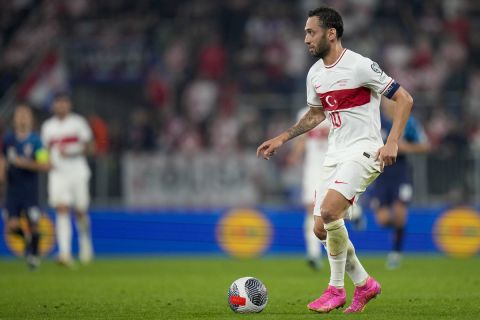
{"points": [[247, 295]]}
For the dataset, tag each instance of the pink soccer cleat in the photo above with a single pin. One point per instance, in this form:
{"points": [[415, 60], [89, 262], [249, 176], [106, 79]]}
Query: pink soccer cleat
{"points": [[363, 294], [332, 298]]}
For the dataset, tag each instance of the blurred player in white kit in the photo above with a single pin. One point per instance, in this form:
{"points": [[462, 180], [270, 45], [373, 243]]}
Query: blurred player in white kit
{"points": [[68, 137], [313, 146]]}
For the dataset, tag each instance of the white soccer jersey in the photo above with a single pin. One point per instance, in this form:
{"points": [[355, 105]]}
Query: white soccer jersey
{"points": [[69, 133], [349, 92]]}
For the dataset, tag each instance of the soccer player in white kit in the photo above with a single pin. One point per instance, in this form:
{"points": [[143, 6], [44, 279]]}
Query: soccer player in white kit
{"points": [[67, 136], [313, 146], [345, 88]]}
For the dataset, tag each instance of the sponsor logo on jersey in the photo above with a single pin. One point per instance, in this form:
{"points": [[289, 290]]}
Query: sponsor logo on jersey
{"points": [[244, 233], [340, 83]]}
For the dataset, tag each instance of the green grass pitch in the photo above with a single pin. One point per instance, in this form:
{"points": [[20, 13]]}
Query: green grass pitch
{"points": [[196, 288]]}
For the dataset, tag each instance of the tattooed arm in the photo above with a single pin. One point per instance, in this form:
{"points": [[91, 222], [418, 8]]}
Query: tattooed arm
{"points": [[309, 121]]}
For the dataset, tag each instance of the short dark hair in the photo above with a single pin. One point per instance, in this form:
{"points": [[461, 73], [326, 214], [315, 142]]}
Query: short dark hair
{"points": [[329, 18], [61, 95], [21, 103]]}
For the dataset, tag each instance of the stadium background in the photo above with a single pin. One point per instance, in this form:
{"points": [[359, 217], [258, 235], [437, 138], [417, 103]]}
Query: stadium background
{"points": [[180, 93]]}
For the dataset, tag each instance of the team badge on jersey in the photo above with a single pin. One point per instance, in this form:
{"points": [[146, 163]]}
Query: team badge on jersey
{"points": [[375, 67]]}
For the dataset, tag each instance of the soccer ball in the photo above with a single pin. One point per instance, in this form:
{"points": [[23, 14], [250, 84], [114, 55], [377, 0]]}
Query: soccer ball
{"points": [[247, 295]]}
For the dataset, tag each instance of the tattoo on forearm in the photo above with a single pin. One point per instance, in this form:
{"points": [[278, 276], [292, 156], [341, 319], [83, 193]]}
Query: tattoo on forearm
{"points": [[308, 122]]}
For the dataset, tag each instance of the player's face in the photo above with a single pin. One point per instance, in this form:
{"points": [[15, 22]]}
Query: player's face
{"points": [[316, 38], [61, 107], [23, 118]]}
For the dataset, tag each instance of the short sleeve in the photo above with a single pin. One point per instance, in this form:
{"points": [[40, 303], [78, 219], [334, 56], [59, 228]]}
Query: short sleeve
{"points": [[312, 99], [85, 131], [372, 76]]}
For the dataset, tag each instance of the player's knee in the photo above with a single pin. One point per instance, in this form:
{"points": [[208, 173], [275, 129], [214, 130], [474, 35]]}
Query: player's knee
{"points": [[62, 209], [328, 214], [400, 215], [320, 231], [80, 214], [13, 224], [34, 228], [382, 219]]}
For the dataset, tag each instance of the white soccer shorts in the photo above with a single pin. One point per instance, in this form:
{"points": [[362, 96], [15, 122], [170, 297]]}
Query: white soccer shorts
{"points": [[71, 190], [350, 178]]}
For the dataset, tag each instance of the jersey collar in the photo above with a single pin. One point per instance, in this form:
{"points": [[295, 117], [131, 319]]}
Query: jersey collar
{"points": [[338, 59]]}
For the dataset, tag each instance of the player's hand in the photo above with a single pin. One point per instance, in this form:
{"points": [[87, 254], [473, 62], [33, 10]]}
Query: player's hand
{"points": [[387, 155], [268, 148], [45, 166], [20, 162]]}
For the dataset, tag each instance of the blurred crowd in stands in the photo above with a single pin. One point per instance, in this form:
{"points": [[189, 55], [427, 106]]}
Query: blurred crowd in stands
{"points": [[224, 74]]}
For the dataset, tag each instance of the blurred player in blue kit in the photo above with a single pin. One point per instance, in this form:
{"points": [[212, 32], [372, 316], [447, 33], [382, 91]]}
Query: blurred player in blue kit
{"points": [[22, 157], [392, 191]]}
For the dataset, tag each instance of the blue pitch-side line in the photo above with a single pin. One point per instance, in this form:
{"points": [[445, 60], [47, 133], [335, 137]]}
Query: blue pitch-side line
{"points": [[166, 231]]}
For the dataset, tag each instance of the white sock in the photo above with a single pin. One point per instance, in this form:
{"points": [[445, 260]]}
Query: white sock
{"points": [[311, 241], [84, 238], [63, 229], [354, 268], [337, 243]]}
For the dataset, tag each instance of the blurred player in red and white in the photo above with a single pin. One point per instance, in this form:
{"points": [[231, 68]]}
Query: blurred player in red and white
{"points": [[345, 88], [313, 147], [68, 138]]}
